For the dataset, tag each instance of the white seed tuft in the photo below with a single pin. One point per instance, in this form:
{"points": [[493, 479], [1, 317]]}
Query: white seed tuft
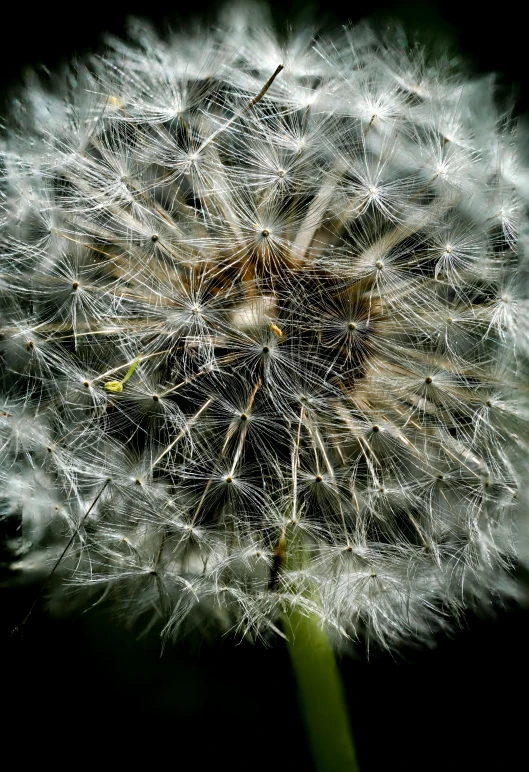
{"points": [[264, 331]]}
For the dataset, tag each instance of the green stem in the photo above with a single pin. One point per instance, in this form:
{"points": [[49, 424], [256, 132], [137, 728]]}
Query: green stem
{"points": [[320, 695]]}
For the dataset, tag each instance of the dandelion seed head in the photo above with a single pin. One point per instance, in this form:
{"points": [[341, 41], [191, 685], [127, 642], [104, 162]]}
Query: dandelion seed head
{"points": [[263, 332]]}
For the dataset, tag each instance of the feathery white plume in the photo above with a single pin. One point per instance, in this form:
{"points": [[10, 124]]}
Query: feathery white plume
{"points": [[261, 323]]}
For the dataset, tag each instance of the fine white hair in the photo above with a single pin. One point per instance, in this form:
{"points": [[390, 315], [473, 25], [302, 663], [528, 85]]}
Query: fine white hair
{"points": [[264, 310]]}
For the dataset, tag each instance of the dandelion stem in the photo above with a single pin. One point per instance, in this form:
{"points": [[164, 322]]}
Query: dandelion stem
{"points": [[320, 694]]}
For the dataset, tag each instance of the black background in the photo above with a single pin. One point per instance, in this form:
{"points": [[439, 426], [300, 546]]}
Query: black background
{"points": [[84, 692], [491, 38]]}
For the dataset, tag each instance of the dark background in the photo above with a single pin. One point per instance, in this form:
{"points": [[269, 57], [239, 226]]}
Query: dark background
{"points": [[492, 38], [83, 691]]}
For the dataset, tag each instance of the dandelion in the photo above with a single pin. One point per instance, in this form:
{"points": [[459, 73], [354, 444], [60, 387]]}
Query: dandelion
{"points": [[260, 341]]}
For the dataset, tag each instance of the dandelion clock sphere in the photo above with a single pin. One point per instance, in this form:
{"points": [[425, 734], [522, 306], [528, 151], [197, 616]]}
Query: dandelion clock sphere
{"points": [[263, 302]]}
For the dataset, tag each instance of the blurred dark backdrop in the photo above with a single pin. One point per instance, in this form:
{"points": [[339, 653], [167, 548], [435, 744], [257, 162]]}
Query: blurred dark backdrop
{"points": [[492, 39], [85, 692]]}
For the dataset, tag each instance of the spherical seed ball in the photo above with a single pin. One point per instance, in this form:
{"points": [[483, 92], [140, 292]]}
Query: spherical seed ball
{"points": [[263, 308]]}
